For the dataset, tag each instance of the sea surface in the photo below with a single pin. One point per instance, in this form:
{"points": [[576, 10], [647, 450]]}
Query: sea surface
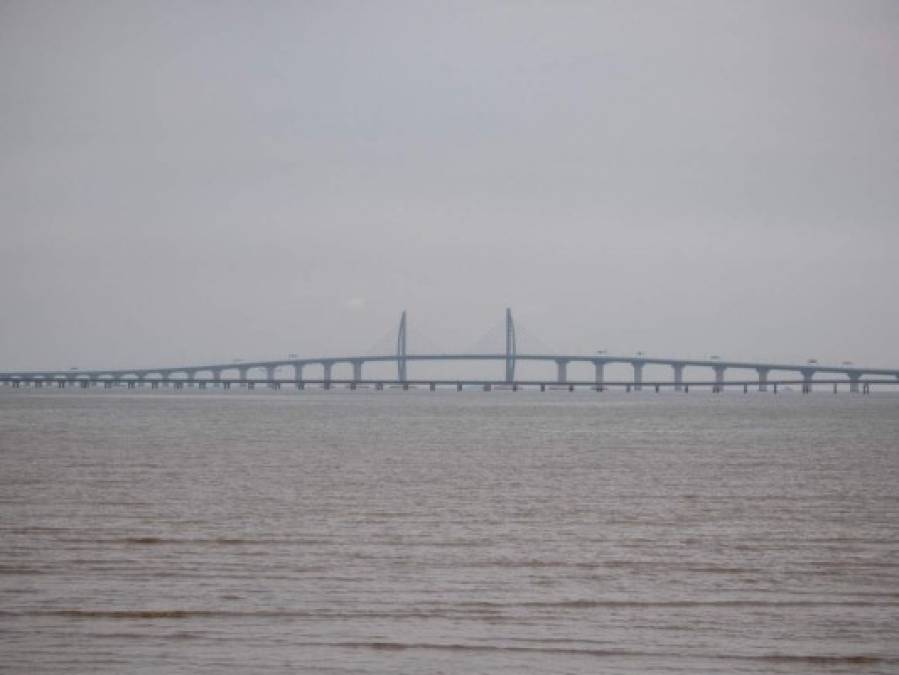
{"points": [[422, 533]]}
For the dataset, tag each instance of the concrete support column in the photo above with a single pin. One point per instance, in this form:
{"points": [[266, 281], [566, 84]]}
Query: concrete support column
{"points": [[719, 379], [242, 372], [562, 371], [298, 371], [217, 374], [853, 382], [600, 374], [678, 376], [763, 378], [357, 371], [270, 372], [327, 375], [638, 375], [807, 375]]}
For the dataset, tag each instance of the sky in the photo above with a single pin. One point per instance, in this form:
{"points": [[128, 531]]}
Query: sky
{"points": [[196, 181]]}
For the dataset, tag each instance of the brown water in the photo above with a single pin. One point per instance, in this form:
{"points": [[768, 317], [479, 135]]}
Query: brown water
{"points": [[417, 532]]}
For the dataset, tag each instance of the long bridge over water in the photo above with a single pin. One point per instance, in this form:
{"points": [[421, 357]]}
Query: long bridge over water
{"points": [[769, 375]]}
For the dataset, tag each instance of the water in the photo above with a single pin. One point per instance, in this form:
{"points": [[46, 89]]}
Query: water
{"points": [[417, 532]]}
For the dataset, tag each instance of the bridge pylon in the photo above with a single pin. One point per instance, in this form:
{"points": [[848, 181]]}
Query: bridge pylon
{"points": [[401, 349], [510, 347]]}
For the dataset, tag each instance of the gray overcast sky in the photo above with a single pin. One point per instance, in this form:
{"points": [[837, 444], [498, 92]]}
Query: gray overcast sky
{"points": [[201, 180]]}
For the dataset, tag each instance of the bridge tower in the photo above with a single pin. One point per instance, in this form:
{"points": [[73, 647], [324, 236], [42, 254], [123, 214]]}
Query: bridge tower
{"points": [[510, 347], [401, 349]]}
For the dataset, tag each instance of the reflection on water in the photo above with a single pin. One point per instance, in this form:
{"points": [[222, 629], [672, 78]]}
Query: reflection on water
{"points": [[418, 532]]}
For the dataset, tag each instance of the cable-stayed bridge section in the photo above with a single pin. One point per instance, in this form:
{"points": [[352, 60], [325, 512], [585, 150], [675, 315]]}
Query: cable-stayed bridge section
{"points": [[250, 373]]}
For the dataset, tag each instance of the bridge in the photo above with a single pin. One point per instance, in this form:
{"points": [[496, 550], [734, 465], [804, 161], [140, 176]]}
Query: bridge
{"points": [[769, 375]]}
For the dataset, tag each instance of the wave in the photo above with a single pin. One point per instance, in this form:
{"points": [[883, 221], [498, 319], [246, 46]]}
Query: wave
{"points": [[814, 659]]}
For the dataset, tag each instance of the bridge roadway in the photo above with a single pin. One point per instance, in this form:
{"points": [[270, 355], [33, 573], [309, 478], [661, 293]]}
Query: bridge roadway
{"points": [[847, 374], [433, 385]]}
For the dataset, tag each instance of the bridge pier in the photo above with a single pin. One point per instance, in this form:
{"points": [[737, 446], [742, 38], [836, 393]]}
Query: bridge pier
{"points": [[678, 376], [853, 382], [763, 378], [327, 366], [357, 369], [807, 375], [433, 387], [638, 375], [719, 379], [298, 371], [600, 368], [561, 371]]}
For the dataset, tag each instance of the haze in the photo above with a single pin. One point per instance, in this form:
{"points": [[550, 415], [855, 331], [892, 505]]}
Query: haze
{"points": [[184, 182]]}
